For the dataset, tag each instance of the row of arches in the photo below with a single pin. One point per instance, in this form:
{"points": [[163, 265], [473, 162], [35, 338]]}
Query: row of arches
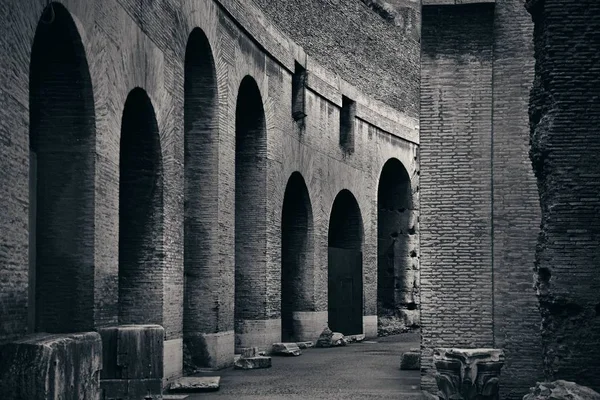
{"points": [[62, 191]]}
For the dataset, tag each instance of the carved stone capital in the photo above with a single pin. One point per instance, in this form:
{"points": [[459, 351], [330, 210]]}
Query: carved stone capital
{"points": [[468, 374]]}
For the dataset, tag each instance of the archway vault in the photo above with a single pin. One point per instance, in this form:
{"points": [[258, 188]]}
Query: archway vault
{"points": [[62, 166], [297, 257], [141, 256], [345, 258], [397, 258]]}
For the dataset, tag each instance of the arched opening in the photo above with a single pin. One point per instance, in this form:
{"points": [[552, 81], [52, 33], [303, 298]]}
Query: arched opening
{"points": [[296, 255], [140, 213], [62, 147], [396, 250], [345, 278], [201, 196], [250, 206]]}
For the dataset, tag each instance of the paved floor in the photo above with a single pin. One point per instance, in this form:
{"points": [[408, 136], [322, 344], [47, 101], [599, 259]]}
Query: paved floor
{"points": [[368, 370]]}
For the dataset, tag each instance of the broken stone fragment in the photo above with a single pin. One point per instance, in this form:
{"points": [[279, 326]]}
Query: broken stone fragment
{"points": [[325, 338], [249, 352], [305, 345], [252, 362], [356, 338], [559, 390], [196, 384], [411, 361], [338, 339], [286, 349]]}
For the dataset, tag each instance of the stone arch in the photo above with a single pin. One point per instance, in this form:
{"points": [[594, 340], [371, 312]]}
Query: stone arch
{"points": [[297, 255], [345, 277], [396, 253], [62, 153], [141, 251], [250, 207], [200, 196]]}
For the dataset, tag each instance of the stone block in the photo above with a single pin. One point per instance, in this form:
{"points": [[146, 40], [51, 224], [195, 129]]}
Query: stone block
{"points": [[52, 367], [175, 396], [338, 339], [132, 362], [131, 389], [411, 361], [253, 362], [132, 352], [286, 349], [305, 345], [196, 384], [324, 339]]}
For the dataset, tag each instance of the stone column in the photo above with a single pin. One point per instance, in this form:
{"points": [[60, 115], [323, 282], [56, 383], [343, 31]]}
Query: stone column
{"points": [[469, 373]]}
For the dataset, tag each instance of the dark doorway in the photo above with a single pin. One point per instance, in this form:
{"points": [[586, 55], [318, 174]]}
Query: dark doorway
{"points": [[395, 221], [250, 204], [62, 154], [296, 254], [200, 196], [345, 287], [140, 214]]}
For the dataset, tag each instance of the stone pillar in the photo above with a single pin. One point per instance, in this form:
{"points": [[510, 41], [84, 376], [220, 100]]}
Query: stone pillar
{"points": [[51, 367], [469, 373]]}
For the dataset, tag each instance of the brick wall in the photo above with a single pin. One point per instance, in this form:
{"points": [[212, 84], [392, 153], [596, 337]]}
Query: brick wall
{"points": [[516, 210], [456, 132], [564, 116]]}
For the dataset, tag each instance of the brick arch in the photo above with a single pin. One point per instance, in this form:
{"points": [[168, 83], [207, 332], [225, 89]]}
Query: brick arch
{"points": [[396, 254], [141, 255], [201, 196], [62, 153], [250, 205], [297, 255], [345, 257]]}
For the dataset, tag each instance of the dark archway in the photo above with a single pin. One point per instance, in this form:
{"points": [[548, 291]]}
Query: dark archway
{"points": [[395, 255], [250, 205], [62, 153], [297, 251], [141, 251], [201, 197], [345, 277]]}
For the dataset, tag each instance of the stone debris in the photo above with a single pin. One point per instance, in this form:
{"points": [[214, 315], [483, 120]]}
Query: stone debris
{"points": [[196, 384], [338, 339], [286, 349], [355, 338], [324, 339], [175, 396], [561, 390], [411, 360], [253, 362], [305, 345]]}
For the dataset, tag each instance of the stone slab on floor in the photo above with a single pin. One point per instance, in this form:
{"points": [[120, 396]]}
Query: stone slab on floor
{"points": [[253, 362], [411, 361], [305, 345], [51, 366], [131, 389], [286, 349], [196, 384], [175, 396]]}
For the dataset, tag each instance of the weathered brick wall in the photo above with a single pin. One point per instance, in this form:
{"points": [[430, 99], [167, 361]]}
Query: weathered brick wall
{"points": [[564, 116], [516, 210], [456, 133], [346, 37]]}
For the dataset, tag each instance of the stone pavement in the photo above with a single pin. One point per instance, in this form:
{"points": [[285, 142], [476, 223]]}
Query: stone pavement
{"points": [[358, 371]]}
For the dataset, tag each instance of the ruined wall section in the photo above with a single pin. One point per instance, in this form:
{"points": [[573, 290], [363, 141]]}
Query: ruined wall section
{"points": [[516, 210], [456, 134], [564, 117]]}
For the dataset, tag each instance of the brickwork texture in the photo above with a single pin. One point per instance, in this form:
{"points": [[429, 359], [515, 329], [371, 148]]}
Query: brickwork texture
{"points": [[564, 116]]}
